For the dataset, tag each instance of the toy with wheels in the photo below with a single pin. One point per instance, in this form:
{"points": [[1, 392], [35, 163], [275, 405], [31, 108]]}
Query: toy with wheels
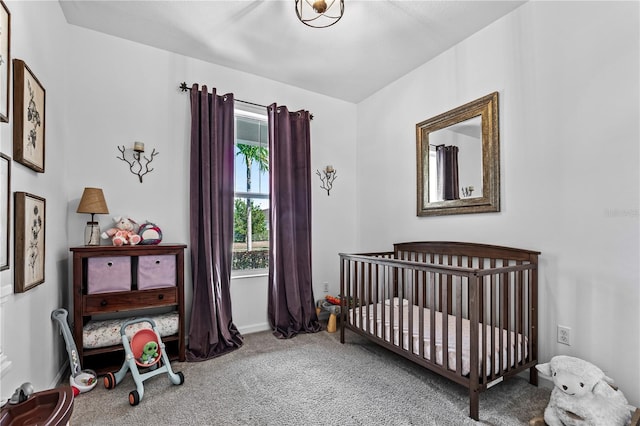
{"points": [[145, 350], [80, 380]]}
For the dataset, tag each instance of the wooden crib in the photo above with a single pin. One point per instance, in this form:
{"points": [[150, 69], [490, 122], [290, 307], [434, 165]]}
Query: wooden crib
{"points": [[479, 301]]}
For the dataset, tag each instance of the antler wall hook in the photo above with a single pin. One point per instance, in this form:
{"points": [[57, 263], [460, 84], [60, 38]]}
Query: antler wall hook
{"points": [[139, 164]]}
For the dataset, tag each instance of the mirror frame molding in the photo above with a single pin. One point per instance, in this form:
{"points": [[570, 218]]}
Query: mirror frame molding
{"points": [[487, 108]]}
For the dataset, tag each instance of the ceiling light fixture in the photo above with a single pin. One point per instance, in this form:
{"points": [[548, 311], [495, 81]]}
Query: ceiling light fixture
{"points": [[319, 13]]}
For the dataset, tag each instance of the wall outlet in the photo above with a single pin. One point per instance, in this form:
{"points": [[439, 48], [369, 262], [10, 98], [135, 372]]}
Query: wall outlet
{"points": [[564, 335], [325, 287]]}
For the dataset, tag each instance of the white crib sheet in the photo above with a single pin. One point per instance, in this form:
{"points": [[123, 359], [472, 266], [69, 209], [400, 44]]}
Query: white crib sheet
{"points": [[361, 313]]}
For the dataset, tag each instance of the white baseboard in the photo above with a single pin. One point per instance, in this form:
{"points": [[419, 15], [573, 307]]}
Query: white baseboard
{"points": [[61, 378], [254, 328]]}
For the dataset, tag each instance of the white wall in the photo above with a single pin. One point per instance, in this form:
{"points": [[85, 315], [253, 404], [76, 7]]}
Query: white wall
{"points": [[104, 92], [567, 77], [125, 92], [33, 348]]}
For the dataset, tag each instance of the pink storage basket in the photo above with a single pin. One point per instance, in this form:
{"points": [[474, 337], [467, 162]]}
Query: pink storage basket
{"points": [[108, 274], [156, 271]]}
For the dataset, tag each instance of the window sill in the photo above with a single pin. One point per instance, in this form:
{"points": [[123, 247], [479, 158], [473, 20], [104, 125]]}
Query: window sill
{"points": [[249, 273]]}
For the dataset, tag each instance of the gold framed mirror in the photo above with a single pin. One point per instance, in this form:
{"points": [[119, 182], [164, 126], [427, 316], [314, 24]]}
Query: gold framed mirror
{"points": [[458, 160]]}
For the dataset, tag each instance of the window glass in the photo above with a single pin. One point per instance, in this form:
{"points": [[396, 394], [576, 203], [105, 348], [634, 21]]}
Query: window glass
{"points": [[251, 205]]}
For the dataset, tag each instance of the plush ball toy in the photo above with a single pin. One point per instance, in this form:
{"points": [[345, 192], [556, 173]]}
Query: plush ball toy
{"points": [[582, 395], [150, 233], [123, 232], [149, 352]]}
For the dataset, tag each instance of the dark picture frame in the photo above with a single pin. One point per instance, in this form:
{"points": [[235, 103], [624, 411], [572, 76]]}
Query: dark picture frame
{"points": [[29, 102], [5, 61], [5, 203], [29, 250]]}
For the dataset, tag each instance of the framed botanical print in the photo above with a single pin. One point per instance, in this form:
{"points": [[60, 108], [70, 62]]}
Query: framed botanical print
{"points": [[5, 61], [5, 197], [28, 117], [30, 220]]}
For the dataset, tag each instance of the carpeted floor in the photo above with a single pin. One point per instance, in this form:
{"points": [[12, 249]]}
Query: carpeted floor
{"points": [[311, 380]]}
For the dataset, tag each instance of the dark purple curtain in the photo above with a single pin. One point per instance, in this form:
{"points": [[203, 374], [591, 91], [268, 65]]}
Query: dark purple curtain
{"points": [[447, 164], [211, 331], [291, 307]]}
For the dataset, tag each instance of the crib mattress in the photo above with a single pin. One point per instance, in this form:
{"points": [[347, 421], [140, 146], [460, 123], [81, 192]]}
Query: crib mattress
{"points": [[102, 333], [361, 314]]}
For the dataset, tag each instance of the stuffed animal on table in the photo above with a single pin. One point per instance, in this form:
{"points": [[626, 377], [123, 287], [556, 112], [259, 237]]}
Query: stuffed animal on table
{"points": [[123, 232], [582, 395], [149, 352]]}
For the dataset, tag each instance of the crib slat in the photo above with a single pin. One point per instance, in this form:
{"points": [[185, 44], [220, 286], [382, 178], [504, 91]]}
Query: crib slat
{"points": [[448, 284], [432, 319], [343, 309], [421, 305], [369, 298], [459, 325], [388, 293], [482, 306], [400, 312], [490, 306], [474, 373], [492, 323], [444, 296], [519, 345], [354, 293], [533, 320], [504, 324], [410, 296], [362, 298], [376, 298], [498, 327]]}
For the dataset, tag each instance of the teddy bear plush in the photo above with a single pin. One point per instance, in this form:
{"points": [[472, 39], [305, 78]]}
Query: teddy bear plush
{"points": [[123, 232], [582, 395]]}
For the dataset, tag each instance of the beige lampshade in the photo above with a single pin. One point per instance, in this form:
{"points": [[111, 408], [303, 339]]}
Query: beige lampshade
{"points": [[92, 202]]}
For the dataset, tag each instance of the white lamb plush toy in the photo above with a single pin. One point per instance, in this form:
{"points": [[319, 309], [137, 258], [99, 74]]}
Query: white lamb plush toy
{"points": [[582, 395]]}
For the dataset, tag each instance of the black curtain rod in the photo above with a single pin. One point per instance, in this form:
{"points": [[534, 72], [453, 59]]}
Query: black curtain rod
{"points": [[185, 88]]}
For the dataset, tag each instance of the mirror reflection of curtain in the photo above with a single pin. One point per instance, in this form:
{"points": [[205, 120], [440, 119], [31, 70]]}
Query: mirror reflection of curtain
{"points": [[447, 166]]}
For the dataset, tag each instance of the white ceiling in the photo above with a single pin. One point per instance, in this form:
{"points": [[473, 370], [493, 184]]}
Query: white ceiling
{"points": [[375, 43]]}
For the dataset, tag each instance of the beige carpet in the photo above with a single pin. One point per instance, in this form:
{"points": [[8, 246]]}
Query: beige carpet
{"points": [[311, 380]]}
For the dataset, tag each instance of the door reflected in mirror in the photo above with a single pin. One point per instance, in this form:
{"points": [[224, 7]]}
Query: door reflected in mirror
{"points": [[458, 160]]}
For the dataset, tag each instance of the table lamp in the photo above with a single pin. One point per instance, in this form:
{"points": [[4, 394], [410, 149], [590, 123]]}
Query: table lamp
{"points": [[92, 202]]}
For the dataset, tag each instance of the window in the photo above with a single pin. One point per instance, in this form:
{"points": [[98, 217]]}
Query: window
{"points": [[251, 204]]}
